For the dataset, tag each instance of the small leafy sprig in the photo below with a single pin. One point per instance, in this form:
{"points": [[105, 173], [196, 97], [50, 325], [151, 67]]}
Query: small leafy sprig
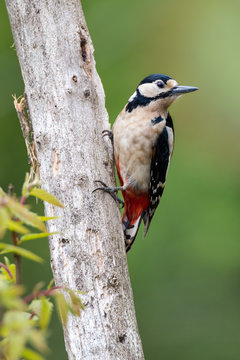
{"points": [[24, 321], [15, 215]]}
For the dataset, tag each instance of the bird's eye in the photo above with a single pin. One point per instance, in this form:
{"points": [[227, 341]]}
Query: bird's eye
{"points": [[160, 84]]}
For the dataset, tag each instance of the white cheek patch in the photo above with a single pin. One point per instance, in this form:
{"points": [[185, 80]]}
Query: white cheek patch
{"points": [[150, 90]]}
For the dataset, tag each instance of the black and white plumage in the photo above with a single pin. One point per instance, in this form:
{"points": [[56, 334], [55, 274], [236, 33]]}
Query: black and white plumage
{"points": [[162, 153], [143, 137]]}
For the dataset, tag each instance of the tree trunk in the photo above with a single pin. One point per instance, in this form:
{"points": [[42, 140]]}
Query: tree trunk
{"points": [[66, 104]]}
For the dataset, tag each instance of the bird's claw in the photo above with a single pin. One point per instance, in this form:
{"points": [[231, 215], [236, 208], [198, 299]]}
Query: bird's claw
{"points": [[110, 190], [109, 134], [102, 183]]}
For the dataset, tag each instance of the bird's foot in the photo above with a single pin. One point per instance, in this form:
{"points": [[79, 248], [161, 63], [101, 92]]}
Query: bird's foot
{"points": [[108, 133], [110, 190]]}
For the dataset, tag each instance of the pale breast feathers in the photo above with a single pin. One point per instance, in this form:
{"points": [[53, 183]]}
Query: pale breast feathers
{"points": [[134, 138]]}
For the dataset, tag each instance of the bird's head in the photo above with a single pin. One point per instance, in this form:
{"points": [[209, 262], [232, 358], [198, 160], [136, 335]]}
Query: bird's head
{"points": [[158, 91]]}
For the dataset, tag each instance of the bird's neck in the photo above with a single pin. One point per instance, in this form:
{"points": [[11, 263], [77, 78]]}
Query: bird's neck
{"points": [[158, 108]]}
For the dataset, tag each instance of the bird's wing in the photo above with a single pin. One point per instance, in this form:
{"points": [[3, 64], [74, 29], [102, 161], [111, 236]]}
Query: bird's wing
{"points": [[162, 152]]}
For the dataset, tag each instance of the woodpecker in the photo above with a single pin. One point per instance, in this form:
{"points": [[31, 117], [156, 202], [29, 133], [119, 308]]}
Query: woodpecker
{"points": [[143, 140]]}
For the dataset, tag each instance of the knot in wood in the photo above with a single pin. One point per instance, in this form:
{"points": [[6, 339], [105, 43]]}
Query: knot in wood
{"points": [[86, 93], [113, 281], [65, 241], [122, 338], [74, 78], [83, 44]]}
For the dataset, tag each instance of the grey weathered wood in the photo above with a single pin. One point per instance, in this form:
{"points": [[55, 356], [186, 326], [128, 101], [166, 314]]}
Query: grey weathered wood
{"points": [[67, 109]]}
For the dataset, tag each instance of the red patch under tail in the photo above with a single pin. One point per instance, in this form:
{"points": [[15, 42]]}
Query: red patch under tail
{"points": [[135, 207]]}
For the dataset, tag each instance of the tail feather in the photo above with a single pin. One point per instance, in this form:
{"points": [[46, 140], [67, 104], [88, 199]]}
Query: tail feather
{"points": [[130, 231], [146, 221]]}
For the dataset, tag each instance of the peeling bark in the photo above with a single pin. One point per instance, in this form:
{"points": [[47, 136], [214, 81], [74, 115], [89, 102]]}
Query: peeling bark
{"points": [[66, 104]]}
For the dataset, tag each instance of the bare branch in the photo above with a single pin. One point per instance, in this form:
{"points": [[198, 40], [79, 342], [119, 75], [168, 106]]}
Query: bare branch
{"points": [[66, 104]]}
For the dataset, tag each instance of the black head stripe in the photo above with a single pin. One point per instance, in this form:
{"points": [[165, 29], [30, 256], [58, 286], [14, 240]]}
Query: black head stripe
{"points": [[141, 100], [155, 77]]}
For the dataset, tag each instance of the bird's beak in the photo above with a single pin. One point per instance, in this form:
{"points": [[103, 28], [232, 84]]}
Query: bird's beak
{"points": [[183, 89]]}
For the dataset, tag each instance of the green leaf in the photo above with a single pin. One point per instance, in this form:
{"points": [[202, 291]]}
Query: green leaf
{"points": [[44, 195], [50, 284], [62, 307], [35, 306], [37, 339], [12, 268], [4, 218], [35, 236], [10, 296], [46, 218], [46, 312], [15, 345], [16, 226], [8, 272], [29, 354], [77, 304], [7, 262], [14, 320], [25, 215], [15, 326], [20, 251]]}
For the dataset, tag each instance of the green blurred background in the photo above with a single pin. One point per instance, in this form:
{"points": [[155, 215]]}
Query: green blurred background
{"points": [[186, 273]]}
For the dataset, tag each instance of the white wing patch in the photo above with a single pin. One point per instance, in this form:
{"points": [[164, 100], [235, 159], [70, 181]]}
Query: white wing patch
{"points": [[170, 139]]}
